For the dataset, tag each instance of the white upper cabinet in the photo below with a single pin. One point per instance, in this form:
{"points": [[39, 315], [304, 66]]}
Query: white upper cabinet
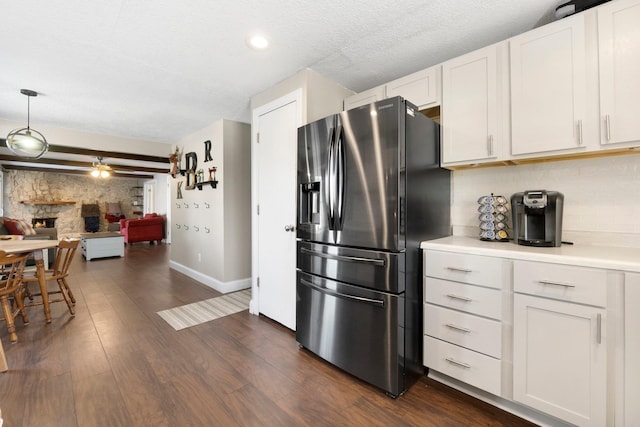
{"points": [[367, 97], [549, 88], [421, 88], [470, 108], [619, 50]]}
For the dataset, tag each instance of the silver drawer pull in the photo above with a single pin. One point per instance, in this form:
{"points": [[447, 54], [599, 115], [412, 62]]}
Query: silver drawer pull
{"points": [[458, 328], [459, 270], [599, 328], [345, 258], [547, 282], [458, 297], [455, 362]]}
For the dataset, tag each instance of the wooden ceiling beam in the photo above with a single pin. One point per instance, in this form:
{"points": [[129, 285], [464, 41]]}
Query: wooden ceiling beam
{"points": [[74, 171], [100, 153], [61, 162]]}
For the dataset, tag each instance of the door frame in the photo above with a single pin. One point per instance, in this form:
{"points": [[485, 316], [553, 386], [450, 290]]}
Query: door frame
{"points": [[295, 96]]}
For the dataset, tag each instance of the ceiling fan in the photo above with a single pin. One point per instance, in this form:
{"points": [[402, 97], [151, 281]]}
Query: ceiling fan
{"points": [[100, 169]]}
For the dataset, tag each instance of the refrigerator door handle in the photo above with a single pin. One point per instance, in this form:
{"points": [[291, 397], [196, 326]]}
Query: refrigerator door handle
{"points": [[376, 262], [341, 176], [376, 302], [329, 179]]}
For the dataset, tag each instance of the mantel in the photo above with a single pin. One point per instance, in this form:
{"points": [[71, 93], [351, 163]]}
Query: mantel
{"points": [[47, 202]]}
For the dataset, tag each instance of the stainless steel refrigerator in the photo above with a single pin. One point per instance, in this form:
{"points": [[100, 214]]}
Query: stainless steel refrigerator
{"points": [[370, 189]]}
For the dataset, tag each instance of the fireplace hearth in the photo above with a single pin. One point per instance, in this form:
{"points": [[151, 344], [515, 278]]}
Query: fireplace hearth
{"points": [[44, 222]]}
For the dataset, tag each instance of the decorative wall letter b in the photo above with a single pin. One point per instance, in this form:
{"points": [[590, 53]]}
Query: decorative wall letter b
{"points": [[191, 160], [207, 151]]}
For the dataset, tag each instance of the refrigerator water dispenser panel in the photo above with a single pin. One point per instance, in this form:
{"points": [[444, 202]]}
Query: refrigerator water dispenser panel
{"points": [[310, 203]]}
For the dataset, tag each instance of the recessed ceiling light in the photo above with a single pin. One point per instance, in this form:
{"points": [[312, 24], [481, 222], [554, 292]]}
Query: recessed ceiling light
{"points": [[258, 42]]}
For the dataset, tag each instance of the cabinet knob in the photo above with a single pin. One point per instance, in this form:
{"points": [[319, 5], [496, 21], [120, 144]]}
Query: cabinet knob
{"points": [[289, 227]]}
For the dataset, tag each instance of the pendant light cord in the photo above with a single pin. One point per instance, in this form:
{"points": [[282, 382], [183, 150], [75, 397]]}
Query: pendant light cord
{"points": [[28, 111]]}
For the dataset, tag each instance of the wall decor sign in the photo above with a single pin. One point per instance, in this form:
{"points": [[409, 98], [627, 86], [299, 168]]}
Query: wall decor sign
{"points": [[195, 176]]}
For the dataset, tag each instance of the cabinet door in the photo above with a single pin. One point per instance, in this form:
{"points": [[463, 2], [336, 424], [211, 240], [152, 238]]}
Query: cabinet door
{"points": [[619, 47], [419, 88], [548, 87], [364, 98], [469, 107], [559, 359], [631, 349]]}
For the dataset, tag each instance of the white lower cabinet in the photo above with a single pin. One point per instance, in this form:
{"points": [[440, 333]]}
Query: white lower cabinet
{"points": [[559, 359], [557, 343], [632, 349], [463, 314]]}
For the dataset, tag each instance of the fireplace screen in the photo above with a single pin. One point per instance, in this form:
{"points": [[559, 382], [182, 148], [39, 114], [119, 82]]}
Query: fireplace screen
{"points": [[44, 222]]}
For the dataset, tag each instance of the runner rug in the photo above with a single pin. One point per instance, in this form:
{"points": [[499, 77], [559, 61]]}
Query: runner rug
{"points": [[204, 311]]}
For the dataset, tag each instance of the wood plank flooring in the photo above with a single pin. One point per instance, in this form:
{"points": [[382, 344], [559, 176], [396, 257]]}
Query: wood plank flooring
{"points": [[117, 363]]}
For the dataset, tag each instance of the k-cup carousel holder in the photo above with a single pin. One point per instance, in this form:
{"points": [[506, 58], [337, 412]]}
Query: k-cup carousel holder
{"points": [[494, 214]]}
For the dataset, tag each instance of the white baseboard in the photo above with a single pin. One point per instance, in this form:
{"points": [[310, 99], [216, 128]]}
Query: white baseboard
{"points": [[504, 404], [224, 287]]}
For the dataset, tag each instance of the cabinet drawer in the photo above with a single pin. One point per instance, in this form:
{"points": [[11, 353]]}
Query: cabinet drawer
{"points": [[472, 299], [568, 283], [473, 269], [466, 330], [465, 365]]}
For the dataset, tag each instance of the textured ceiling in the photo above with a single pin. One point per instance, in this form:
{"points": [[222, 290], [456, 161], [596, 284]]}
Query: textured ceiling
{"points": [[159, 70]]}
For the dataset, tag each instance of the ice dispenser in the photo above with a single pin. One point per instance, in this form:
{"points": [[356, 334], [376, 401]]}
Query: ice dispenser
{"points": [[310, 203], [537, 217]]}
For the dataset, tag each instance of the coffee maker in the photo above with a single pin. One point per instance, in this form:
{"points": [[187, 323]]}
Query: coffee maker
{"points": [[537, 218]]}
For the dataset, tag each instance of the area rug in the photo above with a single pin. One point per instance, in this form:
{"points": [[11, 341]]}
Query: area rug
{"points": [[204, 311]]}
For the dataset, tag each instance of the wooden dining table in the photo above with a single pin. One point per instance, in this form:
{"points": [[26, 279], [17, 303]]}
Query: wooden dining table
{"points": [[35, 247]]}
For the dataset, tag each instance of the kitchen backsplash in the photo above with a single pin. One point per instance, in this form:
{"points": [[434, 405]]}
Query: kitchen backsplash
{"points": [[602, 196]]}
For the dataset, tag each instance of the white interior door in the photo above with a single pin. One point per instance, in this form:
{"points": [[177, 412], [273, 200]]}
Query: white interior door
{"points": [[149, 199], [276, 137]]}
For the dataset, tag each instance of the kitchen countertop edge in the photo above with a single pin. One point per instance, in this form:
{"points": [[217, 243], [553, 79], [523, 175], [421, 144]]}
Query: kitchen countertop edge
{"points": [[604, 257]]}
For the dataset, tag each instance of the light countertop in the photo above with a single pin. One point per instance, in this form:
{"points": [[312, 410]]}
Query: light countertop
{"points": [[612, 258]]}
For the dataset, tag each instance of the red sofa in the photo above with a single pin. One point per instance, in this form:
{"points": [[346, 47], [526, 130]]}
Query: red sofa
{"points": [[150, 228]]}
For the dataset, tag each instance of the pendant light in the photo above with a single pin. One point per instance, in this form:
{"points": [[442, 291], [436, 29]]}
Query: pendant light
{"points": [[27, 142], [100, 170]]}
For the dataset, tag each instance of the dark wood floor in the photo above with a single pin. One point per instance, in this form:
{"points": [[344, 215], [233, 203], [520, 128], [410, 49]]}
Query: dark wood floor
{"points": [[117, 363]]}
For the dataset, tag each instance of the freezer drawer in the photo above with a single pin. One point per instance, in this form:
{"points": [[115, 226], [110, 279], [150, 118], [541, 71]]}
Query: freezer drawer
{"points": [[382, 271], [358, 330]]}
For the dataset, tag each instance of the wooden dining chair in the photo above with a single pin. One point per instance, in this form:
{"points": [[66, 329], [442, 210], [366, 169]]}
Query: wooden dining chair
{"points": [[59, 272], [12, 290]]}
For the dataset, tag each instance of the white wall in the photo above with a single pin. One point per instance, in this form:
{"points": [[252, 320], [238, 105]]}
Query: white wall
{"points": [[237, 200], [195, 249], [75, 138], [320, 96], [602, 196], [210, 228]]}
